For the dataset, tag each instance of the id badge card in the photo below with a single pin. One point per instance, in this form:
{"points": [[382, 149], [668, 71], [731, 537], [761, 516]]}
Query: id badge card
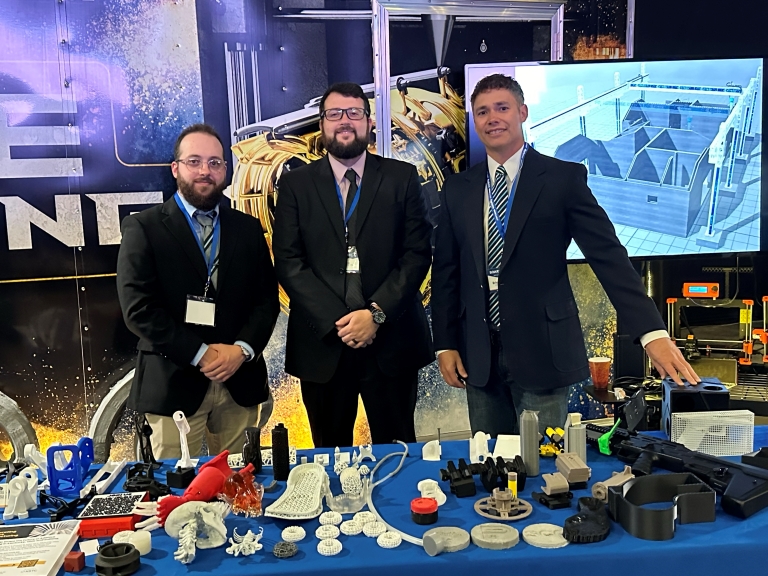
{"points": [[200, 311], [493, 280], [353, 262]]}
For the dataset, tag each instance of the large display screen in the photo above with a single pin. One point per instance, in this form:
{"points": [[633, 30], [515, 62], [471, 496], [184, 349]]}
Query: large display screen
{"points": [[673, 148]]}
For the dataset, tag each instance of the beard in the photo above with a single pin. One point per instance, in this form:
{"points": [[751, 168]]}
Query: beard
{"points": [[204, 202], [345, 151]]}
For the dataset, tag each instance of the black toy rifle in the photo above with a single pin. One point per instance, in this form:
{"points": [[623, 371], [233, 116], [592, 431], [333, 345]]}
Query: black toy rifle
{"points": [[744, 488]]}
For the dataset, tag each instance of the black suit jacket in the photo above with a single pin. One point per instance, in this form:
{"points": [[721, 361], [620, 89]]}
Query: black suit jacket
{"points": [[158, 265], [393, 244], [540, 330]]}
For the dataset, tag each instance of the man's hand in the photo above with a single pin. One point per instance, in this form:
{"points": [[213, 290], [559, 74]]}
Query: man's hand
{"points": [[357, 329], [209, 356], [668, 360], [229, 359], [451, 368]]}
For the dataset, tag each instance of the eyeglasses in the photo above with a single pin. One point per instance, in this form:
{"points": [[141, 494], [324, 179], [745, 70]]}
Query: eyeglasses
{"points": [[214, 164], [334, 114]]}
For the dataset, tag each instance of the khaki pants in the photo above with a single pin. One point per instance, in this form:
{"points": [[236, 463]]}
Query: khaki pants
{"points": [[220, 418]]}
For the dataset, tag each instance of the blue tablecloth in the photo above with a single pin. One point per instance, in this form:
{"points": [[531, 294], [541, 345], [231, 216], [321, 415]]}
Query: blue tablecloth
{"points": [[716, 548]]}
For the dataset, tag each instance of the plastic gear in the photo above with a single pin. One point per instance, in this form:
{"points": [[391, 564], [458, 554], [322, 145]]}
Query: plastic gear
{"points": [[329, 531], [329, 547], [374, 529], [389, 540], [293, 534], [330, 518]]}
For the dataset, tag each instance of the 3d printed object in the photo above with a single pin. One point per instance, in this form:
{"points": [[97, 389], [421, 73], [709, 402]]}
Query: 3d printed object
{"points": [[501, 505], [302, 499], [544, 536], [445, 539], [494, 536], [591, 524]]}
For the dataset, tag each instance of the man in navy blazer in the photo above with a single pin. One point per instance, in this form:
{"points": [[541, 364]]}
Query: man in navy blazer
{"points": [[504, 319]]}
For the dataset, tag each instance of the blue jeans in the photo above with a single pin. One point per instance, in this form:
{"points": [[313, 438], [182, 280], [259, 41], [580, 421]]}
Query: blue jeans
{"points": [[496, 407]]}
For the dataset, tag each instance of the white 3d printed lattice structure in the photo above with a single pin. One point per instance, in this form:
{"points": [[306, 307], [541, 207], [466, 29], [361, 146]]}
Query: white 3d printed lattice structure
{"points": [[717, 433]]}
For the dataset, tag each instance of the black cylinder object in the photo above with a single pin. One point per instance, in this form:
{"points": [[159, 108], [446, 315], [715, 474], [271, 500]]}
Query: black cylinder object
{"points": [[424, 510], [280, 452], [252, 448]]}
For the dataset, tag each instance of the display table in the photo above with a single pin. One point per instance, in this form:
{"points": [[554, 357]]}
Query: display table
{"points": [[718, 548]]}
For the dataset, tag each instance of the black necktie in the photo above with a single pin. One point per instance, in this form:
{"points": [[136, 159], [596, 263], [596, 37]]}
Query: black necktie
{"points": [[354, 292], [351, 176]]}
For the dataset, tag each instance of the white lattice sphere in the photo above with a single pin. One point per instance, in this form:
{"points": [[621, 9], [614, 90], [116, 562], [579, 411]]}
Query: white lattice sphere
{"points": [[351, 483]]}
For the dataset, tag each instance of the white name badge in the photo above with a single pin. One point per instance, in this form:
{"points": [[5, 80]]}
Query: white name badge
{"points": [[200, 311], [493, 283], [353, 262]]}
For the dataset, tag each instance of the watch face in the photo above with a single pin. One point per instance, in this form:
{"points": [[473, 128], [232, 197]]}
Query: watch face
{"points": [[378, 316]]}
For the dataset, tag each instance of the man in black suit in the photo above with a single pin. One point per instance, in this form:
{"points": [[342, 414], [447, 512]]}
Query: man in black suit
{"points": [[352, 247], [197, 286], [505, 321]]}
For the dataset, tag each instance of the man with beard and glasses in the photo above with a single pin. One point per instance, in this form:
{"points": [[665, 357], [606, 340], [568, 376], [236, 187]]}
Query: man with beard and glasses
{"points": [[197, 286], [352, 247]]}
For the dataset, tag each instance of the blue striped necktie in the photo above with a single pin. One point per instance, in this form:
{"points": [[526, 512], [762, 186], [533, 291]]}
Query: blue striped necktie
{"points": [[500, 195], [205, 219]]}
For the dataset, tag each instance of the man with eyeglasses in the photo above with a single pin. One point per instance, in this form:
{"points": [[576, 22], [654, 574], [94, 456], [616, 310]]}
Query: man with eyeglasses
{"points": [[197, 286], [352, 247]]}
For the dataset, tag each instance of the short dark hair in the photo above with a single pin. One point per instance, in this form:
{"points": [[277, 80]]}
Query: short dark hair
{"points": [[195, 128], [498, 82], [349, 89]]}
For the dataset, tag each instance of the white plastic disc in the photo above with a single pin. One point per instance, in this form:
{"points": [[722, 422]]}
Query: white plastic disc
{"points": [[351, 527], [326, 532], [293, 534], [330, 518], [389, 540], [329, 547], [364, 517], [374, 529]]}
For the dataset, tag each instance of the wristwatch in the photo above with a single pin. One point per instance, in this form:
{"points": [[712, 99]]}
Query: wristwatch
{"points": [[245, 352], [378, 316]]}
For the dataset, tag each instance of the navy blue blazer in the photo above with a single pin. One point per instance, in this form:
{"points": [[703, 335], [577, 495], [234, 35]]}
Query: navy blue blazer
{"points": [[540, 330]]}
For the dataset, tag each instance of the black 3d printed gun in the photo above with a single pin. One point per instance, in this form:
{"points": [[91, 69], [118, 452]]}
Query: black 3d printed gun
{"points": [[744, 488]]}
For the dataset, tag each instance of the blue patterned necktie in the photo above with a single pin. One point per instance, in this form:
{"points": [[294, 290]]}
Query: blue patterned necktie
{"points": [[205, 219], [500, 195]]}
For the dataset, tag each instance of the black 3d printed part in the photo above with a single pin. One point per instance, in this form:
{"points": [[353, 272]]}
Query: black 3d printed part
{"points": [[117, 560], [180, 477], [591, 524], [553, 501], [252, 449], [280, 452], [744, 488], [690, 501], [758, 458], [461, 479], [494, 473]]}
